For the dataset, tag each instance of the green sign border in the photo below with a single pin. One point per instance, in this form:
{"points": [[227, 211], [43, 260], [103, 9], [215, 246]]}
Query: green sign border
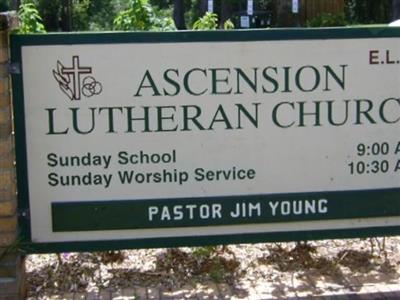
{"points": [[18, 41]]}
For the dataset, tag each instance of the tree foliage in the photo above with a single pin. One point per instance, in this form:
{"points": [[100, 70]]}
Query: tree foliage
{"points": [[51, 12], [328, 20], [30, 20], [89, 15], [210, 22], [101, 13], [396, 10], [141, 16], [4, 5], [136, 17], [369, 12]]}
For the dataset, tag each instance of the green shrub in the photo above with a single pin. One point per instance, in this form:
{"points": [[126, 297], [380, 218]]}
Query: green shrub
{"points": [[228, 25], [328, 20], [30, 20], [208, 22]]}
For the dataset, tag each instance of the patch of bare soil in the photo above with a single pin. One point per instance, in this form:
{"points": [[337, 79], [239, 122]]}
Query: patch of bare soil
{"points": [[311, 267]]}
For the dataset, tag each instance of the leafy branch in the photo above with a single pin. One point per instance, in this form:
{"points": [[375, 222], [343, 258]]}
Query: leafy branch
{"points": [[31, 22]]}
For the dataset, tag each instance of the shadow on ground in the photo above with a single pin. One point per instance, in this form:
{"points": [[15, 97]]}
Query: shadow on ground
{"points": [[298, 270], [313, 274]]}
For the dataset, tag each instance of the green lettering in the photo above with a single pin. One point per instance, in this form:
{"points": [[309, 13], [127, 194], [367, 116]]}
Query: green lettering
{"points": [[172, 82], [382, 114], [251, 83], [151, 84], [243, 111], [271, 80], [340, 81], [317, 79], [130, 118], [187, 85], [161, 117], [363, 112], [215, 80], [50, 114], [316, 113], [192, 118], [110, 116], [75, 122], [220, 116], [275, 115]]}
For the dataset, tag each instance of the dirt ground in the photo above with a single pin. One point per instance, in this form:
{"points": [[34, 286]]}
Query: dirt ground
{"points": [[285, 269]]}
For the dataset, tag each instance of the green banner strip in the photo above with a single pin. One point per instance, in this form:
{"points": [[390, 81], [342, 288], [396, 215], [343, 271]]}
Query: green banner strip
{"points": [[230, 210]]}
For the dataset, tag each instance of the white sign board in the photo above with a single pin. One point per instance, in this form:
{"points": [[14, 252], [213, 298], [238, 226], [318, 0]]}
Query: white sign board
{"points": [[204, 136], [210, 5], [244, 21], [250, 9], [295, 6]]}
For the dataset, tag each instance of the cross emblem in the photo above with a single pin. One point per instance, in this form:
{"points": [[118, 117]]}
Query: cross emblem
{"points": [[76, 81], [75, 73]]}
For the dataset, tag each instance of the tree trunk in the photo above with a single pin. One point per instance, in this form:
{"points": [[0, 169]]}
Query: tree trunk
{"points": [[203, 7], [396, 9], [226, 11], [51, 14], [66, 15], [15, 4], [284, 13], [179, 14]]}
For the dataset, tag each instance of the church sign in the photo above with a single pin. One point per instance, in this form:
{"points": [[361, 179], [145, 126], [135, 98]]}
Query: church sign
{"points": [[190, 138]]}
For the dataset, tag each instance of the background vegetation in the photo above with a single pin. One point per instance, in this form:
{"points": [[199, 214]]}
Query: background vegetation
{"points": [[94, 15]]}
